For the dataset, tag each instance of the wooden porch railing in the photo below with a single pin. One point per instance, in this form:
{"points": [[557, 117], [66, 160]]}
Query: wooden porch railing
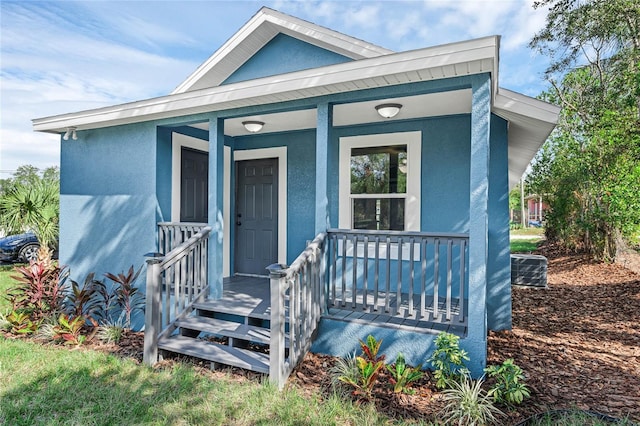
{"points": [[407, 274], [303, 285], [174, 282], [172, 234]]}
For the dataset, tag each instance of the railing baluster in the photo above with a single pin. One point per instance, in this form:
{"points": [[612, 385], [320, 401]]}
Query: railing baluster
{"points": [[463, 273], [344, 270], [354, 278], [423, 277], [399, 280], [411, 275], [365, 275], [333, 263], [376, 274], [449, 284], [387, 294], [436, 273]]}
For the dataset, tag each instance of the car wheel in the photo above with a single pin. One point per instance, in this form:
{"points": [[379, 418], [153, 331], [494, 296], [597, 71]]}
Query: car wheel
{"points": [[29, 252]]}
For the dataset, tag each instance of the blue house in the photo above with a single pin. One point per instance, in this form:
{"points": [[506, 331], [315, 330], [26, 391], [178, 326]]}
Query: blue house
{"points": [[374, 183]]}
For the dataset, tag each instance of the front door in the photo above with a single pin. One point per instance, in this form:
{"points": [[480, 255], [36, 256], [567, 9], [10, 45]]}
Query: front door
{"points": [[194, 184], [256, 241]]}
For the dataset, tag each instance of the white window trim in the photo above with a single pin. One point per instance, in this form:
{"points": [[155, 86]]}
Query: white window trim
{"points": [[413, 140], [281, 154], [178, 141]]}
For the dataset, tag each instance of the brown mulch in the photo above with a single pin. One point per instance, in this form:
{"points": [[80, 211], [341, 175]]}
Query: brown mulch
{"points": [[578, 342]]}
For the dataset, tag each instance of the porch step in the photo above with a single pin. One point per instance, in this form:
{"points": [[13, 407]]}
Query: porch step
{"points": [[261, 311], [227, 355], [230, 329]]}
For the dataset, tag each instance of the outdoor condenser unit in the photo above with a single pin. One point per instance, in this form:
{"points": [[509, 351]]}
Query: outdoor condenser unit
{"points": [[529, 270]]}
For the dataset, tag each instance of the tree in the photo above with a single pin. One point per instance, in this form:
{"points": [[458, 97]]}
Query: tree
{"points": [[590, 166], [32, 202]]}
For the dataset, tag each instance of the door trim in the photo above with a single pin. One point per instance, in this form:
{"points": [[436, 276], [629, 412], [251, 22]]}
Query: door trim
{"points": [[281, 154], [178, 141]]}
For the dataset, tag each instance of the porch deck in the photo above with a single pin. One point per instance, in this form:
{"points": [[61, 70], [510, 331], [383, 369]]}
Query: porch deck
{"points": [[249, 297]]}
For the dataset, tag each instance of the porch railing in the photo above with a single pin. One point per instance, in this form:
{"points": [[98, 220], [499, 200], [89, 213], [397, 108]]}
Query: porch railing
{"points": [[174, 282], [297, 299], [412, 275], [172, 234]]}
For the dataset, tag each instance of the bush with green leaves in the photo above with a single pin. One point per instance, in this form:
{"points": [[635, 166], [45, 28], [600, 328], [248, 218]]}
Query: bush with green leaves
{"points": [[361, 373], [509, 387], [467, 404], [448, 360], [403, 376], [69, 330]]}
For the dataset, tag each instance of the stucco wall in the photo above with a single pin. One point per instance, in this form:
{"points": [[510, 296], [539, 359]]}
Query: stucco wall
{"points": [[297, 56], [108, 204]]}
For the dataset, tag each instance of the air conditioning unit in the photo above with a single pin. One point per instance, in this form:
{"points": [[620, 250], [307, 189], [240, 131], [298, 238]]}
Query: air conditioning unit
{"points": [[529, 270]]}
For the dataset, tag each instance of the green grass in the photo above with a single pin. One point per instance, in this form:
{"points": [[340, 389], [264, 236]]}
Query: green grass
{"points": [[5, 283], [574, 418], [48, 385], [528, 231], [523, 246]]}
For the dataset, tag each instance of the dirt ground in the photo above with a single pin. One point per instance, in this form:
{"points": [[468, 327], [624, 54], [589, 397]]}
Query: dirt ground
{"points": [[578, 342]]}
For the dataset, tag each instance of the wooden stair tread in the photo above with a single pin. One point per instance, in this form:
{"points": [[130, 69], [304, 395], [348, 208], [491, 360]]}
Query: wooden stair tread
{"points": [[231, 329], [227, 355], [259, 311]]}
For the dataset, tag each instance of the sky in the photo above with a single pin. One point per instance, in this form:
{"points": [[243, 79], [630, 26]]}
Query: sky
{"points": [[58, 57]]}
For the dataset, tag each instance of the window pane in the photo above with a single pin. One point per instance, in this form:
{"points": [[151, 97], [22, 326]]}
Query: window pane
{"points": [[379, 170], [381, 214]]}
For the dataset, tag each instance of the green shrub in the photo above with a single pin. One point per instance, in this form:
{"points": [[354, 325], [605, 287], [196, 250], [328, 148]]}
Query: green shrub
{"points": [[509, 388], [466, 403], [448, 359], [403, 376]]}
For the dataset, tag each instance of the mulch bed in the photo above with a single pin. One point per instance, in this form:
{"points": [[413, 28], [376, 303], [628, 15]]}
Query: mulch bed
{"points": [[578, 342]]}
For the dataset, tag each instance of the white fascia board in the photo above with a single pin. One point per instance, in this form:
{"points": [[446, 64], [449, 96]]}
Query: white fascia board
{"points": [[296, 85], [265, 25], [527, 106]]}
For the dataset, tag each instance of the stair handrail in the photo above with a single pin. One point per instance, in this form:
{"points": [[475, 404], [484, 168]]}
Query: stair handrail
{"points": [[187, 263], [303, 283]]}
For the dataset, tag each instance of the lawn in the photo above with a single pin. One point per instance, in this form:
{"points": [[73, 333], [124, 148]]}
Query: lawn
{"points": [[43, 384], [523, 246], [5, 283]]}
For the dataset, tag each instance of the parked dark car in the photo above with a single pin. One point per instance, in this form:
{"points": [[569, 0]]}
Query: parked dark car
{"points": [[19, 248]]}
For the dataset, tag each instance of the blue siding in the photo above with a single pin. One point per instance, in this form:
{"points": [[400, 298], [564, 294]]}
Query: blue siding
{"points": [[499, 264], [108, 204], [284, 54]]}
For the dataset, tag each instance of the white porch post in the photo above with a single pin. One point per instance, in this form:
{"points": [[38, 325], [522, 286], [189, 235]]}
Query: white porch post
{"points": [[323, 137], [476, 341], [216, 171]]}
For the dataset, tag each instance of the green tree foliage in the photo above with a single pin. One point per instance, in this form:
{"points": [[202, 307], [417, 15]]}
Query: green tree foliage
{"points": [[589, 170], [31, 201]]}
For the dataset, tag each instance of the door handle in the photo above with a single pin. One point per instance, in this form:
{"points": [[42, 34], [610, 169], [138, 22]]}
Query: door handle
{"points": [[238, 223]]}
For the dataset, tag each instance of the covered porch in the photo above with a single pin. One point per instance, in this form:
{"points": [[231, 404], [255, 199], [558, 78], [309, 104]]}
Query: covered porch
{"points": [[342, 276]]}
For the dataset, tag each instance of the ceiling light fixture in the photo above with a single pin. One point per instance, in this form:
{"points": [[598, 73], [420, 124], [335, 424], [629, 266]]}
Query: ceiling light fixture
{"points": [[253, 126], [388, 110], [71, 131]]}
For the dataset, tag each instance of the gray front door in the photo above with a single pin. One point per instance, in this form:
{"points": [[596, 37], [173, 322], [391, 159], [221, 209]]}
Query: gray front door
{"points": [[194, 184], [256, 241]]}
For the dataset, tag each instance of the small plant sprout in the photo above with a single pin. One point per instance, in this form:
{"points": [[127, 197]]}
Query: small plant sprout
{"points": [[509, 388], [403, 376], [467, 404], [370, 349], [69, 330], [448, 360]]}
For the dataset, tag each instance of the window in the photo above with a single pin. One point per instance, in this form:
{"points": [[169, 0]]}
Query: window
{"points": [[380, 182]]}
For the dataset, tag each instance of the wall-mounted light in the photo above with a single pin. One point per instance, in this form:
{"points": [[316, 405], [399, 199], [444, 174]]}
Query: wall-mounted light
{"points": [[71, 131], [253, 126], [388, 110]]}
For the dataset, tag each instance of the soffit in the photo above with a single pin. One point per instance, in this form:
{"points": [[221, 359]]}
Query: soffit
{"points": [[440, 62]]}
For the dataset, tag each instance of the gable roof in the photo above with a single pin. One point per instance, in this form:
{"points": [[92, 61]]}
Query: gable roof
{"points": [[530, 120], [256, 33]]}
